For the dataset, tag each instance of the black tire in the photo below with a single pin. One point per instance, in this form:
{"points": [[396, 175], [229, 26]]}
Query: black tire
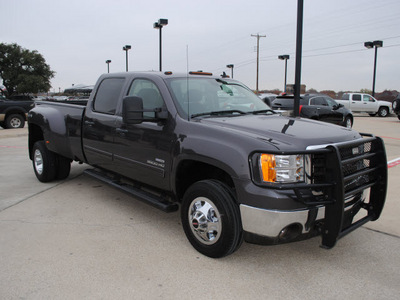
{"points": [[396, 105], [348, 122], [398, 117], [211, 218], [44, 162], [15, 121], [63, 167], [383, 111], [372, 115]]}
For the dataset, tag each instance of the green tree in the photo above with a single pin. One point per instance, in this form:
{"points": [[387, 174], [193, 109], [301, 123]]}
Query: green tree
{"points": [[23, 71]]}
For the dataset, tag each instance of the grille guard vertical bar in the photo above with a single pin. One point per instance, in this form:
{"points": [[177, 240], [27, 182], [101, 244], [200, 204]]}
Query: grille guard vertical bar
{"points": [[334, 212]]}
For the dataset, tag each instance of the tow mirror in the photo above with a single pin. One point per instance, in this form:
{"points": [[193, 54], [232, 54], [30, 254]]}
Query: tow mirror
{"points": [[132, 110]]}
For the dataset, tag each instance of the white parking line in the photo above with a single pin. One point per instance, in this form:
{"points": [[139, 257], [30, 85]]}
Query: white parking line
{"points": [[393, 162]]}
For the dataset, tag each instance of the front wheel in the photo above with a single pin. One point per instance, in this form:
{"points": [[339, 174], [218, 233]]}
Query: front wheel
{"points": [[348, 122], [211, 218], [383, 112]]}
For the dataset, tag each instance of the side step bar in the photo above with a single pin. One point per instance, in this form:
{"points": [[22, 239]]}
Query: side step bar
{"points": [[138, 193]]}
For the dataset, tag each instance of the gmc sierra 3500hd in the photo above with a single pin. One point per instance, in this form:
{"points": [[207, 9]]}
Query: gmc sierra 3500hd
{"points": [[237, 170]]}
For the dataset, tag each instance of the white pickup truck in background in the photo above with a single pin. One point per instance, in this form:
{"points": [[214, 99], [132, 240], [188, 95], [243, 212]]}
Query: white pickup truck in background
{"points": [[358, 102]]}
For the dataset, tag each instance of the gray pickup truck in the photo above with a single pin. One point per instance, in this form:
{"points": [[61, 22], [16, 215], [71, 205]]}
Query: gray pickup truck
{"points": [[209, 146]]}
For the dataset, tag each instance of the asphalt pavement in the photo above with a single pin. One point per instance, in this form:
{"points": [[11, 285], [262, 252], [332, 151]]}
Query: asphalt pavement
{"points": [[81, 239]]}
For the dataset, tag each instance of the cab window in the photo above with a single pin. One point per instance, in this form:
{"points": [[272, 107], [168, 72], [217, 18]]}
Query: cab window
{"points": [[356, 97]]}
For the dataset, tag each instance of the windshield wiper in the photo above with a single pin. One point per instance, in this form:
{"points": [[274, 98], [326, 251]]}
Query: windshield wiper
{"points": [[257, 112], [219, 113]]}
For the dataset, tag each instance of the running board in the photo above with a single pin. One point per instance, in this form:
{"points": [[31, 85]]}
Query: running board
{"points": [[136, 192]]}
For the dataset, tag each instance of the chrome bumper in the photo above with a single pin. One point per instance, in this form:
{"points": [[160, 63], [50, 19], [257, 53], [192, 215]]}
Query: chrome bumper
{"points": [[270, 223]]}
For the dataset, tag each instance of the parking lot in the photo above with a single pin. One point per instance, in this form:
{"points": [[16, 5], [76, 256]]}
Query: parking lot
{"points": [[81, 239]]}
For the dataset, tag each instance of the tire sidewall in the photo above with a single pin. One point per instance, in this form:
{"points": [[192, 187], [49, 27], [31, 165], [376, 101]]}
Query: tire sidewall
{"points": [[9, 119], [49, 162], [231, 234], [346, 120], [383, 112]]}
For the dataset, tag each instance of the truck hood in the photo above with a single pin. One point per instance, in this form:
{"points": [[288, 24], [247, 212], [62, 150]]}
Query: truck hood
{"points": [[284, 133]]}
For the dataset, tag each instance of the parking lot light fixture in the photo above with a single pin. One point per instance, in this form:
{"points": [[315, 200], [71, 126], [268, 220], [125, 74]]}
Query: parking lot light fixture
{"points": [[159, 25], [126, 48], [284, 57], [370, 45], [108, 61], [231, 67]]}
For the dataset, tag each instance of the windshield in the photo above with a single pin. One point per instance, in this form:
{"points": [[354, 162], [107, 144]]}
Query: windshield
{"points": [[209, 96]]}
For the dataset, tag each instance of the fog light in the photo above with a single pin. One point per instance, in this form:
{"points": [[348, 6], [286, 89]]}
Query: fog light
{"points": [[290, 232]]}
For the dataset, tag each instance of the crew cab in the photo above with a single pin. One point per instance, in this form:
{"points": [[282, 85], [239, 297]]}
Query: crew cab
{"points": [[358, 102], [13, 113], [211, 148], [317, 107]]}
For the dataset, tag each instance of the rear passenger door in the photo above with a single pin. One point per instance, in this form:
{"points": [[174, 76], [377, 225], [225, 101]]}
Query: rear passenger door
{"points": [[99, 123], [356, 103]]}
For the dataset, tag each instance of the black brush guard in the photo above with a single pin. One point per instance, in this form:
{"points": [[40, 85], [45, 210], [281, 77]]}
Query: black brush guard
{"points": [[339, 179], [356, 167]]}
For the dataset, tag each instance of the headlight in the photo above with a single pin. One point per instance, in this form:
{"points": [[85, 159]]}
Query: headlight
{"points": [[282, 168]]}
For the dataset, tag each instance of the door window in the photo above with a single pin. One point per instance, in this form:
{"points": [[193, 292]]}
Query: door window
{"points": [[107, 95], [356, 97], [150, 94], [368, 98], [318, 101]]}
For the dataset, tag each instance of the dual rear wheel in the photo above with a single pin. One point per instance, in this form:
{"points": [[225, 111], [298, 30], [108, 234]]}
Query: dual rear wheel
{"points": [[48, 165]]}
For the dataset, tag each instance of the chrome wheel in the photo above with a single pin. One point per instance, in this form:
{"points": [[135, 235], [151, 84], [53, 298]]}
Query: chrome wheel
{"points": [[15, 123], [349, 123], [204, 220], [38, 161]]}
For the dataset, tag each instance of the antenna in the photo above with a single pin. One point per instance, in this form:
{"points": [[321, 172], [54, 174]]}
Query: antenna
{"points": [[187, 80]]}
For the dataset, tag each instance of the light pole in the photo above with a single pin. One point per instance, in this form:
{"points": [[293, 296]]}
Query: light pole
{"points": [[126, 48], [231, 67], [108, 65], [369, 45], [258, 55], [285, 58], [159, 25]]}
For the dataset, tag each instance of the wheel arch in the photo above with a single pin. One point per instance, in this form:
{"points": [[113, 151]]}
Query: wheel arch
{"points": [[35, 134], [189, 171]]}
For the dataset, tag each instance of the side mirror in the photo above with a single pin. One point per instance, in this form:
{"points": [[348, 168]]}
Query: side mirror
{"points": [[132, 110]]}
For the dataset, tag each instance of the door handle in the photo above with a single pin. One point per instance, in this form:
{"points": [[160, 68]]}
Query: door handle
{"points": [[89, 123], [121, 131]]}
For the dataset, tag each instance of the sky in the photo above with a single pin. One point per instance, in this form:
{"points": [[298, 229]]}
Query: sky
{"points": [[77, 37]]}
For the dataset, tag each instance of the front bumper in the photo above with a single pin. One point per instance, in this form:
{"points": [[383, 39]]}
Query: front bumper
{"points": [[347, 188], [263, 226]]}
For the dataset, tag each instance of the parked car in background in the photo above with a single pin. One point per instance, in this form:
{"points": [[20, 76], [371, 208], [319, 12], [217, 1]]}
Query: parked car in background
{"points": [[396, 106], [358, 102], [267, 98], [20, 98], [13, 113], [317, 107]]}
